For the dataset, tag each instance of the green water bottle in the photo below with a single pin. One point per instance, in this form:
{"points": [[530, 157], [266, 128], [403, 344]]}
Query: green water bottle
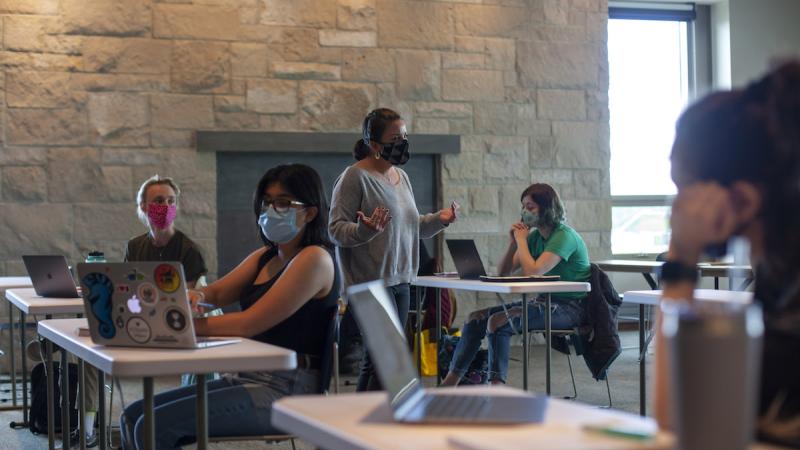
{"points": [[96, 257]]}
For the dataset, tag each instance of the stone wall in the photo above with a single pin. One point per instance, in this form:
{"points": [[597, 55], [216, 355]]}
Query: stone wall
{"points": [[100, 94]]}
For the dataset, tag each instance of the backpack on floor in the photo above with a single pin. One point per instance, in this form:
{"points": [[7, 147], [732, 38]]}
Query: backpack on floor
{"points": [[37, 414], [478, 370]]}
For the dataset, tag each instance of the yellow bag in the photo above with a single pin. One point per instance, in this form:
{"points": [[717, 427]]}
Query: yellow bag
{"points": [[429, 351]]}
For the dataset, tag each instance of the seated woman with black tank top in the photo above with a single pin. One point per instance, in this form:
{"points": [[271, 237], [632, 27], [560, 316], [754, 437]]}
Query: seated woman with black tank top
{"points": [[287, 291]]}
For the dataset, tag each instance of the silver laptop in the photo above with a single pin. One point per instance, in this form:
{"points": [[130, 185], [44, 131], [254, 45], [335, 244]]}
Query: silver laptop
{"points": [[409, 401], [50, 276], [140, 304], [470, 267]]}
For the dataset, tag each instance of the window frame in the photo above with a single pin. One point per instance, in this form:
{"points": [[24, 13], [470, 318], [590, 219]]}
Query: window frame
{"points": [[685, 12]]}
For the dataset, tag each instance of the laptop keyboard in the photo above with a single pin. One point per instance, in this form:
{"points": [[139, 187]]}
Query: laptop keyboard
{"points": [[461, 407]]}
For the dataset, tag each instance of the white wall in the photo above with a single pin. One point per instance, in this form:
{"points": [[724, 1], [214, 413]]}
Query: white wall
{"points": [[759, 31], [721, 45]]}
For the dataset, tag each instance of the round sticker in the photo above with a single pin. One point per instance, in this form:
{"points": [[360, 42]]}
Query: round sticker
{"points": [[148, 293], [167, 278], [176, 320], [138, 330]]}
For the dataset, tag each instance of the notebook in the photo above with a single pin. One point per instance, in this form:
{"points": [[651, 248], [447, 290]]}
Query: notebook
{"points": [[410, 402], [140, 304], [470, 267]]}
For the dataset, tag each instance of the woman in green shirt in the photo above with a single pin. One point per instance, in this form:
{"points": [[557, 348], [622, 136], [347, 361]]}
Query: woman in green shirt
{"points": [[540, 244]]}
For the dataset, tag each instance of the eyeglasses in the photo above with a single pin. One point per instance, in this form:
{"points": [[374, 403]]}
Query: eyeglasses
{"points": [[281, 205]]}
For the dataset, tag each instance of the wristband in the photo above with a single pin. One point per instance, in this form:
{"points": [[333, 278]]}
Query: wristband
{"points": [[672, 271]]}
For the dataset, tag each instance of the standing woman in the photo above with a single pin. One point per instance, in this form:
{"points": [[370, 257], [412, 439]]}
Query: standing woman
{"points": [[385, 244]]}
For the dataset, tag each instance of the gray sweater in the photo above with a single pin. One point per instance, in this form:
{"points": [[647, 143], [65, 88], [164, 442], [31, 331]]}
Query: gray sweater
{"points": [[365, 255]]}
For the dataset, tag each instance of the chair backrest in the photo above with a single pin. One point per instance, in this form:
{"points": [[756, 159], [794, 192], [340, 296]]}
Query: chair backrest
{"points": [[327, 355]]}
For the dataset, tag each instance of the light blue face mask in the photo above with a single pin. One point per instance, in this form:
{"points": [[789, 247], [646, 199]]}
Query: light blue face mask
{"points": [[530, 219], [279, 228]]}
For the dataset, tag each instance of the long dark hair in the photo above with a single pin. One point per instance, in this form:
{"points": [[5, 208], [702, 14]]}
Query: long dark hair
{"points": [[372, 129], [752, 134], [551, 211], [303, 183]]}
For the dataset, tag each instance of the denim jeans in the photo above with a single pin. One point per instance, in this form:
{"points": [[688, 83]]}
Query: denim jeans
{"points": [[237, 406], [564, 315], [367, 379]]}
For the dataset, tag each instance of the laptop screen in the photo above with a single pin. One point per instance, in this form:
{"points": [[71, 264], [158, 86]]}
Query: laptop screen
{"points": [[380, 326]]}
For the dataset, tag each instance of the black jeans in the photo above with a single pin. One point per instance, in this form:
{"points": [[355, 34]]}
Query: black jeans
{"points": [[367, 379]]}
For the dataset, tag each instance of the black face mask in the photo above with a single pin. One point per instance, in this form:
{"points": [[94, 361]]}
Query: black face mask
{"points": [[395, 152]]}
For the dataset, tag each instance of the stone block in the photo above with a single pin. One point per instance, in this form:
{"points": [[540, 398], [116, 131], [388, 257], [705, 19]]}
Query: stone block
{"points": [[495, 118], [28, 7], [237, 120], [41, 34], [305, 71], [130, 157], [126, 55], [412, 24], [463, 61], [555, 64], [65, 126], [38, 89], [334, 106], [196, 22], [356, 15], [552, 176], [561, 104], [510, 205], [494, 20], [418, 75], [367, 64], [483, 200], [163, 138], [24, 232], [581, 145], [200, 66], [556, 12], [597, 106], [526, 122], [119, 184], [181, 111], [306, 13], [230, 103], [272, 96], [107, 17], [115, 221], [588, 185], [543, 151], [64, 186], [281, 122], [499, 53], [339, 38], [589, 215], [23, 156], [442, 109], [117, 118], [473, 85], [466, 166], [24, 184], [452, 192], [302, 44], [40, 61], [505, 159], [248, 59], [460, 126], [119, 82], [430, 125]]}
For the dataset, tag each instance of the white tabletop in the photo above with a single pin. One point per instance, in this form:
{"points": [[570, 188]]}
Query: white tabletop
{"points": [[713, 295], [626, 265], [247, 355], [28, 302], [724, 270], [502, 288], [364, 421], [14, 282]]}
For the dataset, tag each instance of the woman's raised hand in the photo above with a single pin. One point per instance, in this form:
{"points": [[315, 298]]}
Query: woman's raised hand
{"points": [[377, 221]]}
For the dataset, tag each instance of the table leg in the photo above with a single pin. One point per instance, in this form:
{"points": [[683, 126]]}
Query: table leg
{"points": [[202, 411], [101, 409], [149, 414], [438, 293], [418, 340], [525, 348], [650, 281], [51, 406], [65, 428], [716, 283], [642, 368], [24, 356], [548, 338], [81, 404], [13, 359]]}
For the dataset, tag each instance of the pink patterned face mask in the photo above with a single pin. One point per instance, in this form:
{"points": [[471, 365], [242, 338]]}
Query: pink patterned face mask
{"points": [[161, 216]]}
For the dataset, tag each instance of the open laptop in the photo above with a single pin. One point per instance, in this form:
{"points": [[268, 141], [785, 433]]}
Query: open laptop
{"points": [[409, 401], [50, 276], [140, 304], [470, 267]]}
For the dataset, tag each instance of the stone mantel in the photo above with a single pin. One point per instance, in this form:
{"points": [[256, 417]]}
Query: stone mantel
{"points": [[311, 142]]}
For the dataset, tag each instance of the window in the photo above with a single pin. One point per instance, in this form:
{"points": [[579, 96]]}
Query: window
{"points": [[650, 83]]}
